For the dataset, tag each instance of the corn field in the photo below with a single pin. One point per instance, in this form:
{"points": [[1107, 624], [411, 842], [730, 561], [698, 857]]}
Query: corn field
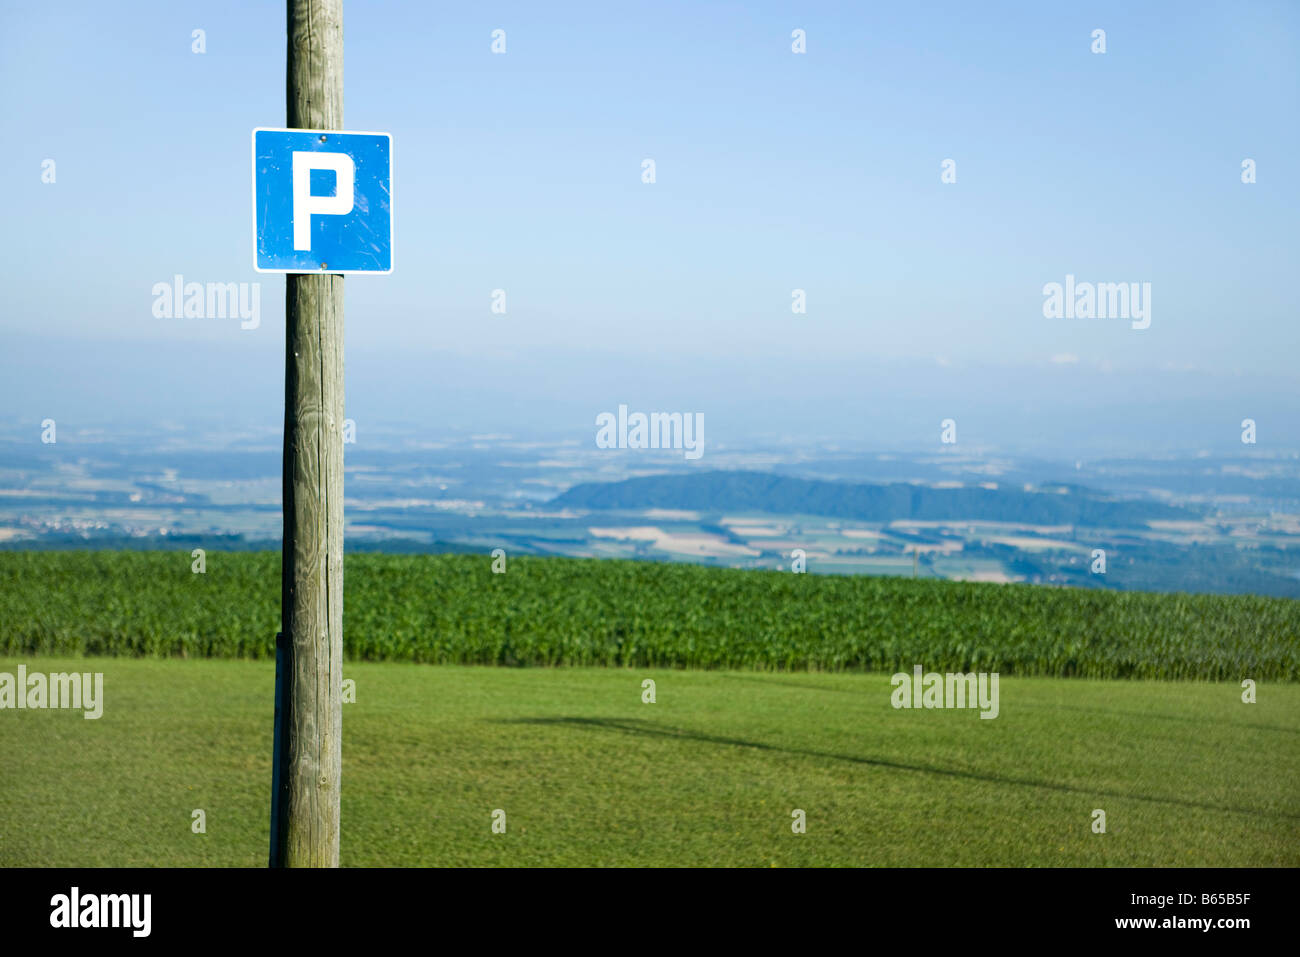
{"points": [[556, 612]]}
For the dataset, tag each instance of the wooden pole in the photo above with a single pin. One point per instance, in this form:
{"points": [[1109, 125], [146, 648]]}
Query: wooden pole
{"points": [[312, 584]]}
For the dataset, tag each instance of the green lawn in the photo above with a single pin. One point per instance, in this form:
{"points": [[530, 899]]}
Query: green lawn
{"points": [[588, 775]]}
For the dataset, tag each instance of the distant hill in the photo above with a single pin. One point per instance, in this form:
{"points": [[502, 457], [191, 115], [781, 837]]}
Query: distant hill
{"points": [[778, 494]]}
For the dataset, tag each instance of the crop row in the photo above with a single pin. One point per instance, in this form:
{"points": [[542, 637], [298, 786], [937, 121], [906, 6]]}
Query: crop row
{"points": [[554, 612]]}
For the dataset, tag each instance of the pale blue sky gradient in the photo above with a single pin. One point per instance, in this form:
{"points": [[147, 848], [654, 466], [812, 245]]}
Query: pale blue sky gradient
{"points": [[775, 171]]}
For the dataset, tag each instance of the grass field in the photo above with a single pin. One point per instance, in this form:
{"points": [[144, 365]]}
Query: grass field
{"points": [[709, 774]]}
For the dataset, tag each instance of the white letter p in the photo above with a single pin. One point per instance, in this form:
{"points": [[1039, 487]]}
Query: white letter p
{"points": [[305, 205]]}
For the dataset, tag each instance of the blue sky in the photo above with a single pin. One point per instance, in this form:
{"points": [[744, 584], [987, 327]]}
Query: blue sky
{"points": [[775, 171]]}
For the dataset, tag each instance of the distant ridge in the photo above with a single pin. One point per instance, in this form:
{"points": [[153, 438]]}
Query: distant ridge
{"points": [[779, 494]]}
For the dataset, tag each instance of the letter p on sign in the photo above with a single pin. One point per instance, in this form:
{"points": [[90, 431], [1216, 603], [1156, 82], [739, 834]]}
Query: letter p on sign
{"points": [[305, 205], [300, 223]]}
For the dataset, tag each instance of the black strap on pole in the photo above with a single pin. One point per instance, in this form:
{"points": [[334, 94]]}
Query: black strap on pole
{"points": [[278, 750]]}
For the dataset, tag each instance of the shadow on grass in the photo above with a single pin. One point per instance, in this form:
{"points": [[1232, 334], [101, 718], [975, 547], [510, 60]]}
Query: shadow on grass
{"points": [[1106, 712], [785, 682], [636, 727], [1189, 719]]}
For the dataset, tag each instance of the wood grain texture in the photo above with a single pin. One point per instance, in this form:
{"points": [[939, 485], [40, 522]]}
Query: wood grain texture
{"points": [[312, 583]]}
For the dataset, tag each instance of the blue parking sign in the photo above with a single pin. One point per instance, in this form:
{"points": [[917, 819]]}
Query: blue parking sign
{"points": [[322, 201]]}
